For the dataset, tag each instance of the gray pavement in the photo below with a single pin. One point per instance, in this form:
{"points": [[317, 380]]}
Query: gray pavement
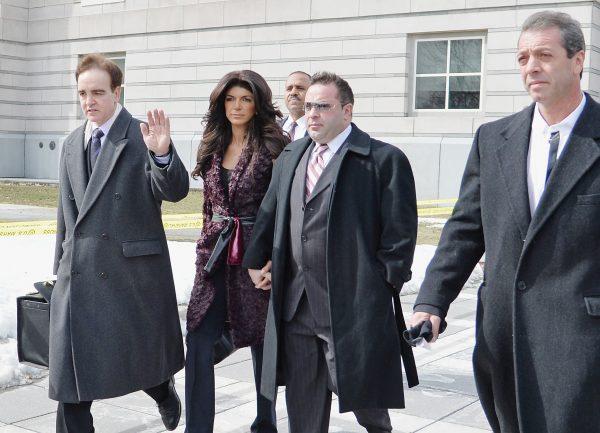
{"points": [[17, 212], [445, 401]]}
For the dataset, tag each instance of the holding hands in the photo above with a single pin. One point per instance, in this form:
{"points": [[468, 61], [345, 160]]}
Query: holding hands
{"points": [[261, 277], [157, 133]]}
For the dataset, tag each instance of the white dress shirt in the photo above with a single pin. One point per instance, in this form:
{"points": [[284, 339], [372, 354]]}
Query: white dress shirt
{"points": [[105, 127], [300, 127], [539, 148], [333, 146]]}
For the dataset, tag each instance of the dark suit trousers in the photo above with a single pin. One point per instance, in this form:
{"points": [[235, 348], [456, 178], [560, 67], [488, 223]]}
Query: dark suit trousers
{"points": [[200, 372], [309, 370], [77, 417]]}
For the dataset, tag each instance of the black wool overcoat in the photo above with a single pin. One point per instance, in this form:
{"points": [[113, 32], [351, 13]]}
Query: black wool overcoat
{"points": [[537, 346], [371, 234]]}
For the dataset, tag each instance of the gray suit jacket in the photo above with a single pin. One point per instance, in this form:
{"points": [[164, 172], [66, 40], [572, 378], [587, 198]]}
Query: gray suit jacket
{"points": [[537, 332], [308, 240], [114, 325]]}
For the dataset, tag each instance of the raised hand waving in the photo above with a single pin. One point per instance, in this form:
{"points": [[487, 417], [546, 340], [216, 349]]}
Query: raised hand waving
{"points": [[157, 133]]}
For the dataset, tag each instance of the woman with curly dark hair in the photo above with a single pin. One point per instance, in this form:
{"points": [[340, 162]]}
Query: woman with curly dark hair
{"points": [[241, 140]]}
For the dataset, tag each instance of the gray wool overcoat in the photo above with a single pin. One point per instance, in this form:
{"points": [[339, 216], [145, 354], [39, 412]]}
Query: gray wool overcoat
{"points": [[371, 235], [114, 324], [537, 351]]}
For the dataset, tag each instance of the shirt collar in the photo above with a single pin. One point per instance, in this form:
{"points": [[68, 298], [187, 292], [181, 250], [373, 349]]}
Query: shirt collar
{"points": [[335, 144], [105, 127], [567, 124], [300, 122]]}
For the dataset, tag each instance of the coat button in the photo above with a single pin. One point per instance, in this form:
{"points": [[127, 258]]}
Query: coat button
{"points": [[71, 197], [103, 275], [117, 196], [104, 236], [304, 238], [521, 285], [74, 273]]}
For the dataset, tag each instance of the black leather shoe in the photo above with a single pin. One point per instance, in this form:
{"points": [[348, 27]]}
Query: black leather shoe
{"points": [[170, 408]]}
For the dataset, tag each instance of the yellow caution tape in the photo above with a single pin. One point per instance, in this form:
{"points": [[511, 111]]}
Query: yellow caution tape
{"points": [[433, 211], [425, 203], [29, 228], [176, 222]]}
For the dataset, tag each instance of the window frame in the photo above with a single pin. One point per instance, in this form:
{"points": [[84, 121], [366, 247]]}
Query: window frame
{"points": [[448, 74]]}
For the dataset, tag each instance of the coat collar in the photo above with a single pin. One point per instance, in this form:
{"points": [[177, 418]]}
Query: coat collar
{"points": [[582, 151], [111, 151], [512, 157], [236, 174], [76, 164], [359, 142]]}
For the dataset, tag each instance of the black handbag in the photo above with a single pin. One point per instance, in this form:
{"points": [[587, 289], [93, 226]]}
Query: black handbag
{"points": [[33, 325], [223, 346]]}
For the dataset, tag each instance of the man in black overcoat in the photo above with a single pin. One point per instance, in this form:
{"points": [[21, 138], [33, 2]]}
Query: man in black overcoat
{"points": [[339, 223], [114, 323], [530, 199]]}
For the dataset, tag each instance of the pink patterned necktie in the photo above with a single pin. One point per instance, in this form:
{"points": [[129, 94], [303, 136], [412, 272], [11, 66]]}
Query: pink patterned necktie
{"points": [[315, 168], [293, 130]]}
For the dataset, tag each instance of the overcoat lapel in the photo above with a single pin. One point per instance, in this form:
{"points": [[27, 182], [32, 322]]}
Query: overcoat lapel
{"points": [[288, 173], [77, 165], [107, 159], [357, 142], [580, 153], [512, 157]]}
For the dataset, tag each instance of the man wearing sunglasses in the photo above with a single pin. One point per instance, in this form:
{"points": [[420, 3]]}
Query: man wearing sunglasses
{"points": [[334, 238]]}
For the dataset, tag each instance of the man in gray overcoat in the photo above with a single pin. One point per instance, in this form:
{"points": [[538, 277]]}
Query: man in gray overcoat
{"points": [[114, 324], [530, 199], [339, 222]]}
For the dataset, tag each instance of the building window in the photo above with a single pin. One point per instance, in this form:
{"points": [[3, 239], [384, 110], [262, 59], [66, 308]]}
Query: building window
{"points": [[119, 59], [448, 74]]}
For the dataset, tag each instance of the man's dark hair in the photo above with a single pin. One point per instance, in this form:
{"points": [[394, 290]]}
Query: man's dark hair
{"points": [[300, 72], [344, 90], [570, 29], [98, 61]]}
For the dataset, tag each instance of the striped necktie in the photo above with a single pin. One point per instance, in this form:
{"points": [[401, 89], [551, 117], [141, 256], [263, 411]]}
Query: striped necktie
{"points": [[97, 134], [552, 154], [315, 168], [293, 130]]}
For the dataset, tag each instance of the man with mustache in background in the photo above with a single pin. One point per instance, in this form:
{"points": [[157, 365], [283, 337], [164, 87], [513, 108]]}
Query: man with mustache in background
{"points": [[295, 90]]}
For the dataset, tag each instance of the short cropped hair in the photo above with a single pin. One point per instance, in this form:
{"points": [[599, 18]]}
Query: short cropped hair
{"points": [[570, 29], [99, 61], [344, 90], [300, 72]]}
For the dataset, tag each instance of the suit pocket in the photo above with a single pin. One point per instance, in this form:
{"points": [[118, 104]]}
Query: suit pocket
{"points": [[146, 247], [588, 199], [592, 304]]}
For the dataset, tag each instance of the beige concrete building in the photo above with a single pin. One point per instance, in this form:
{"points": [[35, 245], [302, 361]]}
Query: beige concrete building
{"points": [[426, 73]]}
